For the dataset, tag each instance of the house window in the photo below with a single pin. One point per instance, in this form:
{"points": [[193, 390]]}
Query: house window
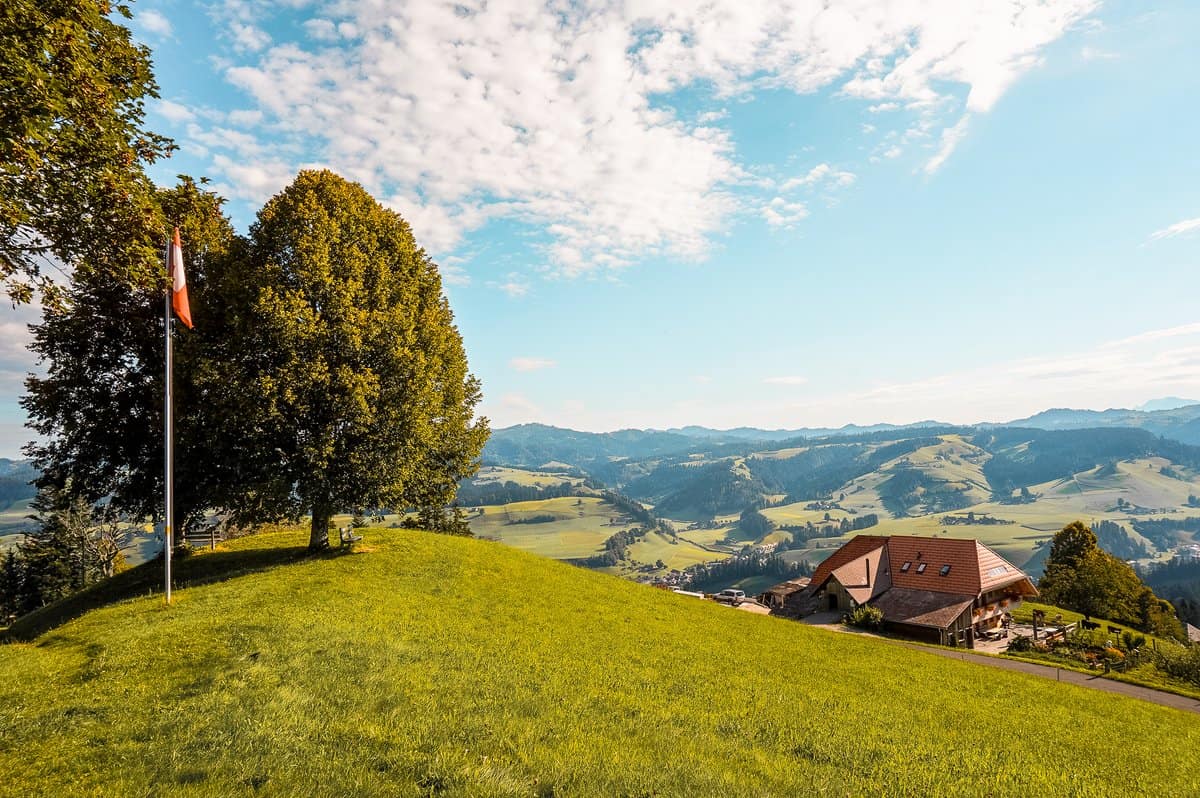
{"points": [[904, 568], [999, 570], [945, 570], [921, 568]]}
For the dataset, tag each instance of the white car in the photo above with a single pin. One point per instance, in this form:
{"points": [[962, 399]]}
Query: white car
{"points": [[730, 596]]}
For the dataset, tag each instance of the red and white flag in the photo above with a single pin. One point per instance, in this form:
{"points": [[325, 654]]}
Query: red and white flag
{"points": [[179, 298]]}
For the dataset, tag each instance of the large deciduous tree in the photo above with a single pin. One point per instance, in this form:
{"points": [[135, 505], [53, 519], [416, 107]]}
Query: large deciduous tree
{"points": [[1081, 576], [98, 406], [340, 374], [73, 145]]}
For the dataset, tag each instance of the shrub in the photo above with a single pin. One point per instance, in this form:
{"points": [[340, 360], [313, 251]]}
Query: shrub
{"points": [[1131, 641], [1021, 643], [865, 617]]}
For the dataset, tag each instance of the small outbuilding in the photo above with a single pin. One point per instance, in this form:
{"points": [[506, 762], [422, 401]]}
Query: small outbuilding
{"points": [[775, 597]]}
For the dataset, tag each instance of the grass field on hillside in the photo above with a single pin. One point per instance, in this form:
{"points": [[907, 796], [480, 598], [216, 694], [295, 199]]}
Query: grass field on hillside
{"points": [[581, 525], [498, 475], [422, 665], [655, 546]]}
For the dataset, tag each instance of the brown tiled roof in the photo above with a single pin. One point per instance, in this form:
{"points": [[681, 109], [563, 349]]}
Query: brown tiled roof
{"points": [[922, 607], [865, 577], [855, 548], [974, 568]]}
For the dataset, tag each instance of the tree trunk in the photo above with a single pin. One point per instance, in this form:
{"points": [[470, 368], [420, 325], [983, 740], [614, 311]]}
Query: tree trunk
{"points": [[319, 536]]}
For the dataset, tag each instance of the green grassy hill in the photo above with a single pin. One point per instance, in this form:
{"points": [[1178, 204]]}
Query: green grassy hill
{"points": [[427, 665], [564, 528]]}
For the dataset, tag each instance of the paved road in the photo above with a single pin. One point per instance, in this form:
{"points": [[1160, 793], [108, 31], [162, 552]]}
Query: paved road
{"points": [[1095, 682], [828, 620]]}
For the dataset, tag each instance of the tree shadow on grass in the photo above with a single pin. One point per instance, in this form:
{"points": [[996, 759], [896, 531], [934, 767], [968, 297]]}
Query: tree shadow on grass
{"points": [[147, 579]]}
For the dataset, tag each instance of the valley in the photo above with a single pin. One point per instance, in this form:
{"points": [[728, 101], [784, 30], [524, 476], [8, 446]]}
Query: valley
{"points": [[1011, 488]]}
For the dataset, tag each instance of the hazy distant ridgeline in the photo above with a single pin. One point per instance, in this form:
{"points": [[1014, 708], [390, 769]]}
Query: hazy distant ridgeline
{"points": [[531, 445]]}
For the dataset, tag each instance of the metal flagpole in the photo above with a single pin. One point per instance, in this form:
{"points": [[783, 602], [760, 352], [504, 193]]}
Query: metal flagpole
{"points": [[168, 442]]}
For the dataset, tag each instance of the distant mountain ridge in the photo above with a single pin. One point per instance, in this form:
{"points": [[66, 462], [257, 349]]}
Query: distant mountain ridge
{"points": [[536, 444], [1177, 423]]}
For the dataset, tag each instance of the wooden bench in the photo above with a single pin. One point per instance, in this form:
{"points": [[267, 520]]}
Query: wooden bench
{"points": [[347, 535]]}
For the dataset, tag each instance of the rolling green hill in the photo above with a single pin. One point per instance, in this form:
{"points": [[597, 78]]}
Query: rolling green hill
{"points": [[563, 528], [427, 665], [1010, 487]]}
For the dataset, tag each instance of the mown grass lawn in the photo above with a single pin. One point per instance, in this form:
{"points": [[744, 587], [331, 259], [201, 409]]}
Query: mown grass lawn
{"points": [[427, 665]]}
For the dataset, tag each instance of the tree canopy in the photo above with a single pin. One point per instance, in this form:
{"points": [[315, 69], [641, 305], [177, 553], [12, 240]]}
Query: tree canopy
{"points": [[1081, 576], [324, 374], [339, 364], [98, 406], [73, 147]]}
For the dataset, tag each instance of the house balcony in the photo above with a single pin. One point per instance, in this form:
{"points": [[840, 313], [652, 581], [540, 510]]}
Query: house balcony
{"points": [[995, 609]]}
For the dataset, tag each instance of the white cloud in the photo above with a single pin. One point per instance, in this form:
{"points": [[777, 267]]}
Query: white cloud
{"points": [[248, 37], [560, 116], [1119, 373], [511, 408], [174, 112], [788, 380], [781, 213], [245, 118], [531, 363], [701, 379], [1178, 229], [154, 22], [1096, 54], [514, 286], [821, 174], [951, 136]]}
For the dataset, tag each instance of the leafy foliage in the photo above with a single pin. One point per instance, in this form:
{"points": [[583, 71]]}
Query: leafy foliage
{"points": [[1082, 577], [72, 189], [98, 408], [73, 545], [865, 616], [1115, 539], [713, 489], [339, 366]]}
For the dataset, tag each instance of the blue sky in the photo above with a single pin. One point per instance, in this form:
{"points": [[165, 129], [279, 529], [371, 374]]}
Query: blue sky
{"points": [[774, 214]]}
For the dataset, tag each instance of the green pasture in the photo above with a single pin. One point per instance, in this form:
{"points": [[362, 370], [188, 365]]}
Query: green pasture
{"points": [[676, 554], [426, 665], [796, 515], [581, 525], [499, 475], [711, 538]]}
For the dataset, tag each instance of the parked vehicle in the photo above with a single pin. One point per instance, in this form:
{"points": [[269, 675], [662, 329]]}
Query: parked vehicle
{"points": [[730, 596]]}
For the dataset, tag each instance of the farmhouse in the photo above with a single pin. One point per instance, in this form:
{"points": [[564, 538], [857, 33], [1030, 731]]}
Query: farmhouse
{"points": [[950, 591]]}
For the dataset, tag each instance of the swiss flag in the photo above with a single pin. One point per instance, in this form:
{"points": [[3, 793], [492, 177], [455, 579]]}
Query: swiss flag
{"points": [[179, 299]]}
